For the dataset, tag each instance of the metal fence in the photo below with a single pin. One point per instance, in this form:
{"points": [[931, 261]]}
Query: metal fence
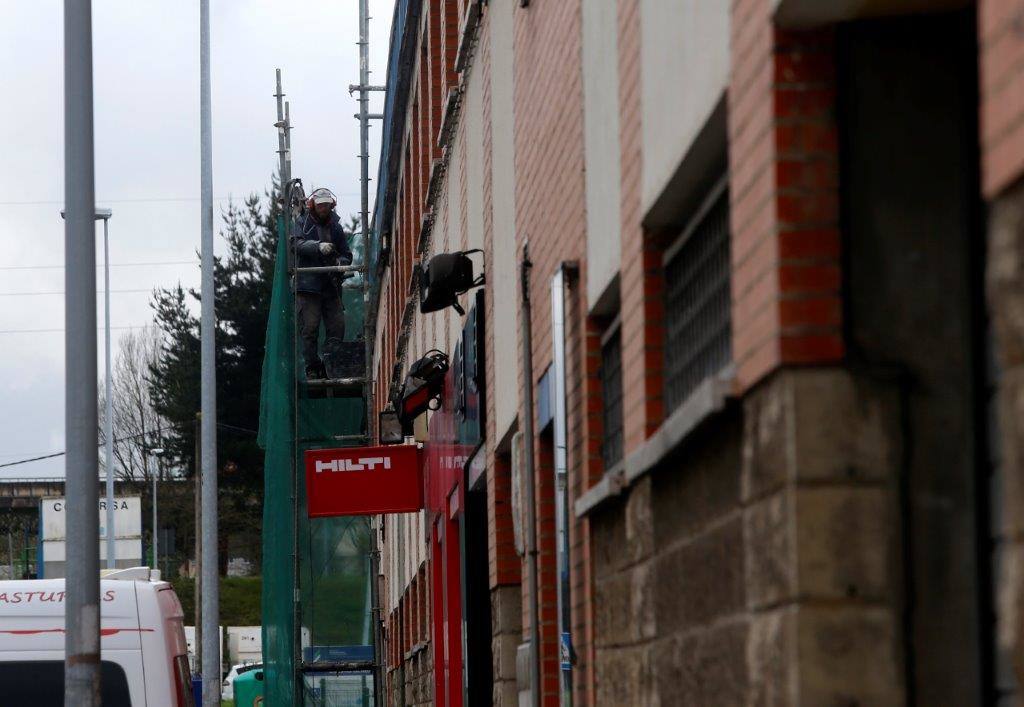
{"points": [[698, 330], [339, 690]]}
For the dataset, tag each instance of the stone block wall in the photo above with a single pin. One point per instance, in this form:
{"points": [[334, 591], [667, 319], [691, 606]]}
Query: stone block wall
{"points": [[1005, 286], [413, 682], [506, 632], [822, 571], [670, 608], [759, 564]]}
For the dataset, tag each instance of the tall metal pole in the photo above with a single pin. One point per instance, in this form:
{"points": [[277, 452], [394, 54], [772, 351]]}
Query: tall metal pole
{"points": [[208, 395], [156, 537], [364, 195], [364, 223], [82, 607], [287, 141], [282, 133], [526, 336], [108, 422], [558, 288]]}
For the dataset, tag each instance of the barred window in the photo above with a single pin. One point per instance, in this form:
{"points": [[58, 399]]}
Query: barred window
{"points": [[698, 330], [611, 392]]}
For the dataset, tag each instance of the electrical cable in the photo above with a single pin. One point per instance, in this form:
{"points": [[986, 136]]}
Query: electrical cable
{"points": [[116, 440], [61, 292], [54, 331], [140, 200], [237, 429], [100, 265], [32, 459]]}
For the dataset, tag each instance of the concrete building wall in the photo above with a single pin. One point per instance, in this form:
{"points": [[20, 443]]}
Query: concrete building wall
{"points": [[688, 41], [601, 135], [474, 167], [503, 270]]}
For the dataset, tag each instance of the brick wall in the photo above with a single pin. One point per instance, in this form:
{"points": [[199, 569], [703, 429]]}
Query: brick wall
{"points": [[641, 284], [551, 216], [1001, 46], [722, 577], [783, 156]]}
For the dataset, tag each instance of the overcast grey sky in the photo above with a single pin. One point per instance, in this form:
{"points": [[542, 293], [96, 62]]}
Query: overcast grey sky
{"points": [[146, 67]]}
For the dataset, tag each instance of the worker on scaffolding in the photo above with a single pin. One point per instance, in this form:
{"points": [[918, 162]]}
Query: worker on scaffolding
{"points": [[319, 240]]}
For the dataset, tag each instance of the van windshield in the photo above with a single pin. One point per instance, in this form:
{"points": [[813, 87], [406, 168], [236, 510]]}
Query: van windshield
{"points": [[40, 683]]}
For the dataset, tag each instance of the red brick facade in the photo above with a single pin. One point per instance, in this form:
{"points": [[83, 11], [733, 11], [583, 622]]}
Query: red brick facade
{"points": [[688, 568], [783, 149], [1002, 87]]}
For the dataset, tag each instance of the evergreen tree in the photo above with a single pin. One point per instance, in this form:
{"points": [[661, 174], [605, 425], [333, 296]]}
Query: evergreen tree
{"points": [[243, 277]]}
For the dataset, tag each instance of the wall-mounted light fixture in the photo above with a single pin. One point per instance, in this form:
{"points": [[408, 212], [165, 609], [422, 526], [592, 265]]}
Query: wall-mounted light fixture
{"points": [[444, 278], [423, 386]]}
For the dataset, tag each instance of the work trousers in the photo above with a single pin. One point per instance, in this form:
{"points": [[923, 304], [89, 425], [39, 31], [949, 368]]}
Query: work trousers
{"points": [[313, 308]]}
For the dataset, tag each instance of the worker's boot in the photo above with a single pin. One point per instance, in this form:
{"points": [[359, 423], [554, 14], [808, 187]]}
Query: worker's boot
{"points": [[333, 358], [315, 371]]}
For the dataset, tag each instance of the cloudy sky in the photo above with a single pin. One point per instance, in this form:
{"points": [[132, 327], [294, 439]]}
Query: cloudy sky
{"points": [[146, 65]]}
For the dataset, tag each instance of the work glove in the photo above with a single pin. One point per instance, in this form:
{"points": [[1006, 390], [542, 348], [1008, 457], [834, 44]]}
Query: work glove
{"points": [[327, 249]]}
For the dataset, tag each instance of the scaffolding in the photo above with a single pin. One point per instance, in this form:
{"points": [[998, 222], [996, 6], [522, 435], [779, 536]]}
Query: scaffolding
{"points": [[321, 619]]}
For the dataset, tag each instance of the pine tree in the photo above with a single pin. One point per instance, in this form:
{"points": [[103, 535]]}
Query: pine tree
{"points": [[243, 277]]}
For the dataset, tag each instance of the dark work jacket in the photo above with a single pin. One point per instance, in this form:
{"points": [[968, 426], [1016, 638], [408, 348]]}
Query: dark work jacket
{"points": [[306, 241]]}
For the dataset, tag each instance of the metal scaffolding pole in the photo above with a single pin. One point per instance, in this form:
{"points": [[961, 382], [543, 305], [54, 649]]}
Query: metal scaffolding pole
{"points": [[208, 395], [364, 196], [82, 609], [108, 420], [282, 139], [368, 331], [287, 141]]}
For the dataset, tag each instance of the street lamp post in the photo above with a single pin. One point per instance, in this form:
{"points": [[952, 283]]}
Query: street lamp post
{"points": [[108, 421], [82, 602], [153, 454]]}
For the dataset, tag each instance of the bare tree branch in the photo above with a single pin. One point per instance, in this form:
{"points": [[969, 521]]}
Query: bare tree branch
{"points": [[136, 424]]}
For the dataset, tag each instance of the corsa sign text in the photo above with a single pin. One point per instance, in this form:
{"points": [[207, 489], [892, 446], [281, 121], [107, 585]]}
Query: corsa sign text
{"points": [[363, 480]]}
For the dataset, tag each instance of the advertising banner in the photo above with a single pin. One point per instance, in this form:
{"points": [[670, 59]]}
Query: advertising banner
{"points": [[127, 534], [363, 480]]}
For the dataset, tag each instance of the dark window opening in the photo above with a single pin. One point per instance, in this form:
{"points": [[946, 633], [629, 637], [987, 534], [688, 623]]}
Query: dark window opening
{"points": [[698, 328], [611, 397], [476, 598]]}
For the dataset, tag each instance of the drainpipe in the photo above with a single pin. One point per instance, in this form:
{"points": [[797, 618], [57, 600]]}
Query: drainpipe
{"points": [[558, 285], [526, 338]]}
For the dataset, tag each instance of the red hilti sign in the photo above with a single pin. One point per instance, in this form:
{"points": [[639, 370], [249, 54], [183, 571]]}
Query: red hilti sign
{"points": [[363, 480]]}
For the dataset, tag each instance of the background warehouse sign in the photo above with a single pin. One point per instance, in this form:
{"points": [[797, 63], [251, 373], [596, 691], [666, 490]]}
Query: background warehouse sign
{"points": [[127, 533], [363, 480]]}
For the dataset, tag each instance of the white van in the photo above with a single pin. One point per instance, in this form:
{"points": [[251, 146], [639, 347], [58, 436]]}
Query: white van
{"points": [[142, 640]]}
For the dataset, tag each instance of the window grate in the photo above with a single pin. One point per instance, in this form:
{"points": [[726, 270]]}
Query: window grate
{"points": [[698, 330], [611, 391]]}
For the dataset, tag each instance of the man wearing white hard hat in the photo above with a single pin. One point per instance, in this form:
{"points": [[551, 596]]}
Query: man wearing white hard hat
{"points": [[320, 240]]}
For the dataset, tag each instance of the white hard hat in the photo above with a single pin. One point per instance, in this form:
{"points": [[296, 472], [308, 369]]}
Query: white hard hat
{"points": [[323, 196]]}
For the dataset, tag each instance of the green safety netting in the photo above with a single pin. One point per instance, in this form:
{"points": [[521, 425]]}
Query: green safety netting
{"points": [[333, 614]]}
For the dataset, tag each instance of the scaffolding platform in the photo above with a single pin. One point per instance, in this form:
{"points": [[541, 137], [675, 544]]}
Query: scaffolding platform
{"points": [[318, 590]]}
